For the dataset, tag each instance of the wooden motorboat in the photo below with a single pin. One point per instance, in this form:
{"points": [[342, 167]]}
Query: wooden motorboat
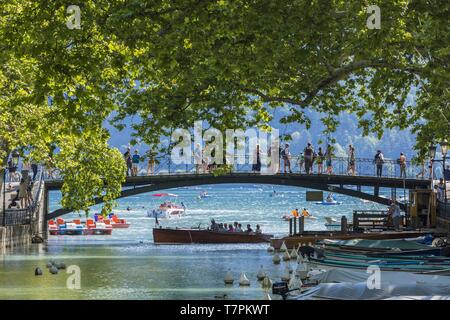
{"points": [[178, 236], [311, 237]]}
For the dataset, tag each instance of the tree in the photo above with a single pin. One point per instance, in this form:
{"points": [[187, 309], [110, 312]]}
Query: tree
{"points": [[57, 88], [231, 62], [226, 62]]}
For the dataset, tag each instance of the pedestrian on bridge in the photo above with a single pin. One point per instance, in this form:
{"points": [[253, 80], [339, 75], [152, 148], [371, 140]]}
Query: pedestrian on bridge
{"points": [[286, 154], [379, 161], [351, 160], [301, 161], [320, 160], [402, 163], [151, 162], [127, 158], [309, 154], [135, 163], [328, 157]]}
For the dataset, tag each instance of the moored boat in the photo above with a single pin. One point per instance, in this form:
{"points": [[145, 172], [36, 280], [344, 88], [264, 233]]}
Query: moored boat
{"points": [[167, 210], [98, 228], [203, 236], [329, 203], [118, 223], [77, 228]]}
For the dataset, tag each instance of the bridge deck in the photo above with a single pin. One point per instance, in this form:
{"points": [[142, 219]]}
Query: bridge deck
{"points": [[185, 179]]}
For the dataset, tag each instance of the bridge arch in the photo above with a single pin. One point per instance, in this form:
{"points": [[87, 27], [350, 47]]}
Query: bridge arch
{"points": [[140, 185]]}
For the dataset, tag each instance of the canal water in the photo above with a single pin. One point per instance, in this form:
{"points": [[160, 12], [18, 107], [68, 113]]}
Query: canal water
{"points": [[127, 265]]}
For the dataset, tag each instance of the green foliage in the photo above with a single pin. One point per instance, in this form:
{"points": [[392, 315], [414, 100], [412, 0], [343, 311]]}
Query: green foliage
{"points": [[79, 71], [222, 170], [227, 62]]}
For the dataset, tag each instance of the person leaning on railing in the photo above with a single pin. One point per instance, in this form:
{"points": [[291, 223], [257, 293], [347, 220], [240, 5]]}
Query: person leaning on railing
{"points": [[402, 163]]}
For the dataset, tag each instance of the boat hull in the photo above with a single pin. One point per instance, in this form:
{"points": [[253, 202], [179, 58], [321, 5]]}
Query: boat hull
{"points": [[325, 203], [98, 232], [120, 225], [311, 237], [182, 236]]}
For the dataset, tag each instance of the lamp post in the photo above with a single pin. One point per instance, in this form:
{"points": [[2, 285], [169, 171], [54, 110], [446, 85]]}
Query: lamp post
{"points": [[432, 153], [444, 149]]}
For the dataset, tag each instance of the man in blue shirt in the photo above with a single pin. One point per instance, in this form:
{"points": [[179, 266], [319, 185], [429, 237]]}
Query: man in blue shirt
{"points": [[135, 160]]}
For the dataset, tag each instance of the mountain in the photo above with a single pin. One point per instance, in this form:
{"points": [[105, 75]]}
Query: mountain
{"points": [[392, 143]]}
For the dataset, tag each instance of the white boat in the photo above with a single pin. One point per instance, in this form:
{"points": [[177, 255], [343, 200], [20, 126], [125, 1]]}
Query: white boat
{"points": [[203, 195], [344, 284], [167, 210], [332, 224]]}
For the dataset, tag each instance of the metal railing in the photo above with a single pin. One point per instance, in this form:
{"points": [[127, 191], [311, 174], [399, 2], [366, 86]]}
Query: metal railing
{"points": [[339, 165], [443, 210], [370, 219], [28, 215]]}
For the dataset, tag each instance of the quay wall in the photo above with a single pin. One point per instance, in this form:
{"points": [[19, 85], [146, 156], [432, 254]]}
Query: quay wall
{"points": [[19, 235], [22, 235]]}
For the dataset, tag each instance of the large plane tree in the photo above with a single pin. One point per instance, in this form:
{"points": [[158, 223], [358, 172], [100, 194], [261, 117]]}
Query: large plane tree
{"points": [[171, 63]]}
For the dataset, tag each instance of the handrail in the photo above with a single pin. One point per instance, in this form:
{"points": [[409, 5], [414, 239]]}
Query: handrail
{"points": [[363, 167], [27, 215]]}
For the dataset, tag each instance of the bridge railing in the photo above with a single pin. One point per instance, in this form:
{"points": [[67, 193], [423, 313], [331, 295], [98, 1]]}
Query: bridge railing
{"points": [[26, 215], [340, 166]]}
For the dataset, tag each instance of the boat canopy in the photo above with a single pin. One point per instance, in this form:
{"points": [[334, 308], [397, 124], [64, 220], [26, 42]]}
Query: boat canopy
{"points": [[360, 291], [164, 195], [386, 277], [378, 244]]}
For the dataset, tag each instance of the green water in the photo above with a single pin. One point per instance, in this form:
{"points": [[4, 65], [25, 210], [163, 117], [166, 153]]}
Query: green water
{"points": [[127, 265], [135, 271]]}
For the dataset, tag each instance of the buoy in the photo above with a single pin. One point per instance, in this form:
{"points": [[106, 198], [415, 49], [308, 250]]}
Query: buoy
{"points": [[38, 272], [290, 268], [229, 277], [286, 275], [261, 274], [276, 258], [294, 254], [60, 265], [53, 270], [302, 271], [243, 280], [270, 249], [283, 247], [295, 283], [286, 256], [266, 283]]}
